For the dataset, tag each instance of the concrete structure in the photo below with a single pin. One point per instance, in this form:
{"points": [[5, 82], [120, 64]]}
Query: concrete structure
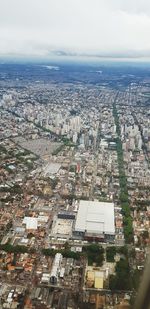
{"points": [[51, 169], [95, 220], [62, 228], [94, 278], [31, 223], [56, 268]]}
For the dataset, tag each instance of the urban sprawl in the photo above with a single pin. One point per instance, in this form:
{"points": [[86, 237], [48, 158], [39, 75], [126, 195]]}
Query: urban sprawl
{"points": [[74, 191]]}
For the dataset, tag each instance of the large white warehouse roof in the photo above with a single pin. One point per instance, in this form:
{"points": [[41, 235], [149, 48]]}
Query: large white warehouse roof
{"points": [[95, 217]]}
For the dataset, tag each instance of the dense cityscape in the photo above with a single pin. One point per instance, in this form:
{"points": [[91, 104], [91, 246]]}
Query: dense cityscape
{"points": [[74, 185]]}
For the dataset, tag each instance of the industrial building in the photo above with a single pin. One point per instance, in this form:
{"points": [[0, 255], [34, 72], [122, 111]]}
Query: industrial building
{"points": [[95, 221], [63, 225], [56, 268], [31, 223], [66, 215]]}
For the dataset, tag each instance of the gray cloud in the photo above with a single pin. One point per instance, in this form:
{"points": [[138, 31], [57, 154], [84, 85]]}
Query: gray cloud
{"points": [[42, 28]]}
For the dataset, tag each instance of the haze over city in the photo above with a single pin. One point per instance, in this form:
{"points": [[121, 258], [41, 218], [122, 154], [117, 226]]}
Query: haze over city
{"points": [[103, 28]]}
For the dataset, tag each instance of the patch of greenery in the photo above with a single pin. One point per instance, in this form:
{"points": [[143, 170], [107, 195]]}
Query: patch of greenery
{"points": [[125, 278], [95, 254], [3, 149], [122, 250], [72, 169], [16, 189], [65, 253], [110, 253], [57, 150], [13, 249], [124, 199], [122, 279]]}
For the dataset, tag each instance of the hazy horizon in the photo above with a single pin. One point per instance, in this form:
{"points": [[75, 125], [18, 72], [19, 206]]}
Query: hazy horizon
{"points": [[101, 29]]}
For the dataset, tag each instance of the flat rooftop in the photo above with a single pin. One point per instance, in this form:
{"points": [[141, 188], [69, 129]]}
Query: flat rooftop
{"points": [[95, 217], [31, 223], [51, 169], [62, 227]]}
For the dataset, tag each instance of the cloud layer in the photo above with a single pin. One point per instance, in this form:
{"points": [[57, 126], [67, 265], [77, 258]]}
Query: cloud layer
{"points": [[40, 28]]}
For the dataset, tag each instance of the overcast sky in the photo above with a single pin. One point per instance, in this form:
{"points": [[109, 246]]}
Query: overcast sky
{"points": [[39, 28]]}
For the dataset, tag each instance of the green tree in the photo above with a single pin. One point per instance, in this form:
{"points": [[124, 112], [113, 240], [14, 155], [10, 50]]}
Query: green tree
{"points": [[95, 254], [122, 279], [110, 253]]}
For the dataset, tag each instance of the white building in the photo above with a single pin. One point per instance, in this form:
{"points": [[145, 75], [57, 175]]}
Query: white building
{"points": [[31, 223], [95, 220], [56, 268]]}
